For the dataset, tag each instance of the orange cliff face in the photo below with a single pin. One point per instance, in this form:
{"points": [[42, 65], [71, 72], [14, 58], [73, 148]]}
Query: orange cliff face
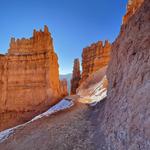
{"points": [[95, 57], [132, 6], [29, 78], [76, 76]]}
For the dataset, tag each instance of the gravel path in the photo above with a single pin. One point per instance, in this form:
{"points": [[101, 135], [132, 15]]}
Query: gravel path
{"points": [[77, 128]]}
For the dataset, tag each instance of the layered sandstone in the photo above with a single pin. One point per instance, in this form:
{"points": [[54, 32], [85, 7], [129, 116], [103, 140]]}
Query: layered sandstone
{"points": [[95, 57], [29, 77], [76, 76], [127, 111], [63, 87], [41, 41], [132, 6]]}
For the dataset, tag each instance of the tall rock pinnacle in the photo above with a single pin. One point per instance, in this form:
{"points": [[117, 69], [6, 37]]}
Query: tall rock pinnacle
{"points": [[76, 76]]}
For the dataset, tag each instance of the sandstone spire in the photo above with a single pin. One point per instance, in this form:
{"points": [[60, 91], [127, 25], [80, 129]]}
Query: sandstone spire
{"points": [[63, 87], [75, 76], [46, 29]]}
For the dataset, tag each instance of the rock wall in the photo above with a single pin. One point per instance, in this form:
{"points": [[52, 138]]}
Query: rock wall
{"points": [[95, 57], [127, 111], [76, 76], [29, 77], [132, 6]]}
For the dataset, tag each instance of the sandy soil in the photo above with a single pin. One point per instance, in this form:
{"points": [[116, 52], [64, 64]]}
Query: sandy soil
{"points": [[77, 128]]}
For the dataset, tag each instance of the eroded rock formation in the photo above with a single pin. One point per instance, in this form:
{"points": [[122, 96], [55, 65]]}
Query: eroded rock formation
{"points": [[76, 76], [40, 42], [127, 112], [64, 87], [132, 6], [95, 57], [29, 78]]}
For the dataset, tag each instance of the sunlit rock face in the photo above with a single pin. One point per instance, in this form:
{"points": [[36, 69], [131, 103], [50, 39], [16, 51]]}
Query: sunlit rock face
{"points": [[76, 76], [94, 58], [132, 6], [40, 42], [29, 78], [93, 84], [63, 87], [127, 110]]}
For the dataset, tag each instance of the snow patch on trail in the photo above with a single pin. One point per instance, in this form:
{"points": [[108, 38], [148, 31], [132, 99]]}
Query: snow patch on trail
{"points": [[99, 93], [5, 134], [95, 93], [63, 104]]}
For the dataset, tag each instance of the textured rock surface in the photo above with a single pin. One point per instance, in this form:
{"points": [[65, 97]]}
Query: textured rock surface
{"points": [[63, 87], [95, 57], [41, 41], [76, 76], [127, 112], [132, 6], [29, 77]]}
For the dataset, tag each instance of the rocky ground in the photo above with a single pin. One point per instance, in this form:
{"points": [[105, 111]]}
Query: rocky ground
{"points": [[77, 128]]}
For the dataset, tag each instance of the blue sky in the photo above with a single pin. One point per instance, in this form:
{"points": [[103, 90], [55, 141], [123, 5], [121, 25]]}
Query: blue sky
{"points": [[74, 24]]}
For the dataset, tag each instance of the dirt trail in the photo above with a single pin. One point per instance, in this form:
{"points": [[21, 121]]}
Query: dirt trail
{"points": [[77, 128]]}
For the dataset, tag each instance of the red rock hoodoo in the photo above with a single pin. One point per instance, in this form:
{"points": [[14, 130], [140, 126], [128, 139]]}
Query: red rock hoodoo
{"points": [[63, 87], [29, 78], [95, 57], [76, 76]]}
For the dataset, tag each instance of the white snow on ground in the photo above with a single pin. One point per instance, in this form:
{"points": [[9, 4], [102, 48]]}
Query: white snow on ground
{"points": [[63, 104], [95, 93], [5, 134], [99, 92]]}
